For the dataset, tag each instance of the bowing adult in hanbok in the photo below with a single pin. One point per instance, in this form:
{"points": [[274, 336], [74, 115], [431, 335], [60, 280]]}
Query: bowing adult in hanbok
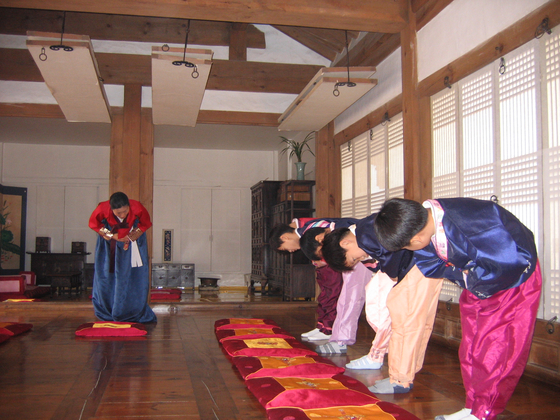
{"points": [[121, 280]]}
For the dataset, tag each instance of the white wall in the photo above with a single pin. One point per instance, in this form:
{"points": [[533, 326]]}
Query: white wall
{"points": [[205, 197], [65, 183]]}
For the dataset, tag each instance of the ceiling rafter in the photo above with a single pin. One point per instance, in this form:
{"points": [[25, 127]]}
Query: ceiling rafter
{"points": [[368, 16], [124, 28], [370, 50], [326, 42], [120, 69]]}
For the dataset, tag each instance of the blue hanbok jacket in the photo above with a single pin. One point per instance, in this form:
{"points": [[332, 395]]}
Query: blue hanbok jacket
{"points": [[489, 249]]}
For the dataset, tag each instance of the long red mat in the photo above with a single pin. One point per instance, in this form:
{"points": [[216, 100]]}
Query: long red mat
{"points": [[293, 382]]}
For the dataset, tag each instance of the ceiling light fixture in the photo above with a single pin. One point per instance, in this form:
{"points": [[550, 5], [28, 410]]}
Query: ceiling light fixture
{"points": [[176, 98], [348, 83], [184, 62], [73, 79], [314, 108], [61, 46]]}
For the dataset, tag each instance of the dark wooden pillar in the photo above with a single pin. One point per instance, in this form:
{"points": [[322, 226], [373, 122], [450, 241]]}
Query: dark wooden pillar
{"points": [[132, 151], [328, 173], [417, 141]]}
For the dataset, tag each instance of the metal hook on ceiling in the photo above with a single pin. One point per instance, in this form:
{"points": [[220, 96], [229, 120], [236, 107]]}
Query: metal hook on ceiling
{"points": [[542, 29], [184, 62], [386, 119], [502, 68], [348, 83], [550, 325], [60, 46]]}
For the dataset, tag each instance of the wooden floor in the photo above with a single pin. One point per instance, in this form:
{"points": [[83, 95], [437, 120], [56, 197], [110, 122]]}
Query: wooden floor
{"points": [[179, 371]]}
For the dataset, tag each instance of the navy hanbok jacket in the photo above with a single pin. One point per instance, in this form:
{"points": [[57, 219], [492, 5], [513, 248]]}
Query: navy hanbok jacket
{"points": [[488, 248], [394, 264]]}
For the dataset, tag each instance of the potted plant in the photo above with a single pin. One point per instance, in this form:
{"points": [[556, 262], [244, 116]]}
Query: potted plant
{"points": [[297, 148]]}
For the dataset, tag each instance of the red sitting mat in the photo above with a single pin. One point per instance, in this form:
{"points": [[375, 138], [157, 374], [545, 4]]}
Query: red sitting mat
{"points": [[309, 366], [165, 294], [306, 392], [175, 291], [293, 382], [4, 337], [266, 346], [19, 300], [232, 323], [14, 328], [37, 291], [111, 329], [10, 296], [251, 332], [376, 411]]}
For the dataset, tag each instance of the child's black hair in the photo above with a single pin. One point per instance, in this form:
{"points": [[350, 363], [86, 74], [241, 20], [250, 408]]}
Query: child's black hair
{"points": [[333, 253], [276, 232], [309, 244], [398, 221]]}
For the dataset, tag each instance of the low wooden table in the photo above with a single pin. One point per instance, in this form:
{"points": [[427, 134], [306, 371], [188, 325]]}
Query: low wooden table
{"points": [[63, 280]]}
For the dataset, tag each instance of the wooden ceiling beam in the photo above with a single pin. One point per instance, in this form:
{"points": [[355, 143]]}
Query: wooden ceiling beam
{"points": [[120, 69], [31, 111], [261, 119], [238, 42], [325, 42], [426, 10], [124, 28], [371, 50], [369, 16]]}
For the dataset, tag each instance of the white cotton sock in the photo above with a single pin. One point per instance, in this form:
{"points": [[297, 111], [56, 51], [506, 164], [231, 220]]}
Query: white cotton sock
{"points": [[318, 336], [310, 333], [459, 415]]}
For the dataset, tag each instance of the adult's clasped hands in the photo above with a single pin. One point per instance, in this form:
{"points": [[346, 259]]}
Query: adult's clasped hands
{"points": [[134, 234]]}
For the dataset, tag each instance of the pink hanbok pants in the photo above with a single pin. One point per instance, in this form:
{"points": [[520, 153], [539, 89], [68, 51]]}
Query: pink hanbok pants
{"points": [[350, 304], [377, 314], [497, 335]]}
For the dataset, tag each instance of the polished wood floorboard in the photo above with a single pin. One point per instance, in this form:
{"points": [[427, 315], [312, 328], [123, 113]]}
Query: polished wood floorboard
{"points": [[180, 372]]}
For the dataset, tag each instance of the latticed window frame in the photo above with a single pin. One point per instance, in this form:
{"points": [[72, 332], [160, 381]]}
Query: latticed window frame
{"points": [[364, 190], [517, 98]]}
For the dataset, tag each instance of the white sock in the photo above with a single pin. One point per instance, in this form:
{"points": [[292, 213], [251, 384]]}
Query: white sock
{"points": [[459, 415], [309, 333]]}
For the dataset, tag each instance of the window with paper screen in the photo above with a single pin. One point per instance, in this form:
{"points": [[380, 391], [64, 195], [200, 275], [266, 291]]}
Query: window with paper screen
{"points": [[444, 144], [372, 169], [361, 176], [396, 158], [551, 175], [496, 133], [377, 159], [347, 208]]}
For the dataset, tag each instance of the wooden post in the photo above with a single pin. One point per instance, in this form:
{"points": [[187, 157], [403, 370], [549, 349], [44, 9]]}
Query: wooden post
{"points": [[328, 173], [413, 164], [132, 152]]}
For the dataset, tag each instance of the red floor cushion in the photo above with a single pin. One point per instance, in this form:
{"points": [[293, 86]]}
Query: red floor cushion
{"points": [[232, 323], [304, 392], [36, 291], [266, 346], [14, 328], [165, 294], [308, 366], [111, 329], [257, 331]]}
